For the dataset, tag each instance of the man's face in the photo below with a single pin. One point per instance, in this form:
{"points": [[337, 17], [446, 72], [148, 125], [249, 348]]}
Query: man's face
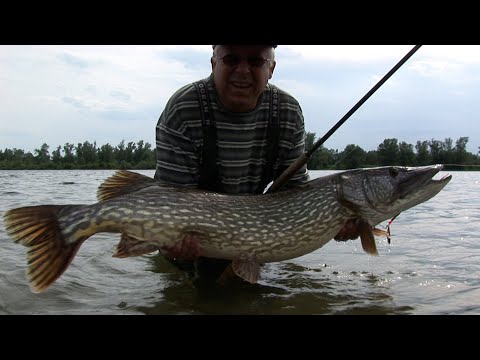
{"points": [[238, 81]]}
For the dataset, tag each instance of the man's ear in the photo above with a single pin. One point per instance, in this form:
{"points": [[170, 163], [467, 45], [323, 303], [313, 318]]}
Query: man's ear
{"points": [[272, 68]]}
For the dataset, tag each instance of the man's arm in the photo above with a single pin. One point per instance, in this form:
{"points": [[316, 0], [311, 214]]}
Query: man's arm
{"points": [[177, 160], [296, 148]]}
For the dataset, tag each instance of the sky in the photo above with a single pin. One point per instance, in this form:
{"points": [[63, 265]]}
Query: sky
{"points": [[58, 94]]}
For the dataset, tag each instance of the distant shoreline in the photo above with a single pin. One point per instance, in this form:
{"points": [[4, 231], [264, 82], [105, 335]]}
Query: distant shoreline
{"points": [[141, 155]]}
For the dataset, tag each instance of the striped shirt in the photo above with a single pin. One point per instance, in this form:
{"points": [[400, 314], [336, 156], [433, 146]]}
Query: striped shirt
{"points": [[241, 140]]}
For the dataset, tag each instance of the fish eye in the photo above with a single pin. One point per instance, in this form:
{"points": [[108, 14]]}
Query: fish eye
{"points": [[393, 172]]}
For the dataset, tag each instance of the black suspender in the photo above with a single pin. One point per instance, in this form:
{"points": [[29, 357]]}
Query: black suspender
{"points": [[273, 138], [209, 177]]}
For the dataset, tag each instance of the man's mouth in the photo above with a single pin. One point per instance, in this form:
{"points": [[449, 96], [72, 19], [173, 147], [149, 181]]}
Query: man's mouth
{"points": [[240, 84]]}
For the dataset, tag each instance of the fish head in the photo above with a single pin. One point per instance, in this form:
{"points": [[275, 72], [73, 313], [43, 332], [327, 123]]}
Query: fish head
{"points": [[378, 194]]}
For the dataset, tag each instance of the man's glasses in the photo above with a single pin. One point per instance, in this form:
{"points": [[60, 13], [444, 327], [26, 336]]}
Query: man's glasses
{"points": [[235, 60]]}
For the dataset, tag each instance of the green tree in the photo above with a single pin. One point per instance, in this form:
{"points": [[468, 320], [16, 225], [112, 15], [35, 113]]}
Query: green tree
{"points": [[461, 150], [388, 152], [144, 156], [87, 153], [406, 155], [352, 157], [69, 159], [106, 156], [42, 155], [371, 158], [423, 155], [57, 155], [120, 153], [448, 152], [322, 158], [130, 151], [436, 151]]}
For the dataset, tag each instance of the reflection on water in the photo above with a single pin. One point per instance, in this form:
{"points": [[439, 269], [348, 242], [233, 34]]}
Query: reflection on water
{"points": [[432, 265], [285, 288]]}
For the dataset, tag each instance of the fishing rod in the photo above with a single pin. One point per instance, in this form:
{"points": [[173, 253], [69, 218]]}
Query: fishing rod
{"points": [[302, 160]]}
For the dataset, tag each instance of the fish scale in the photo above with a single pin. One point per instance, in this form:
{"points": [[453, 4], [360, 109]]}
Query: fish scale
{"points": [[289, 227]]}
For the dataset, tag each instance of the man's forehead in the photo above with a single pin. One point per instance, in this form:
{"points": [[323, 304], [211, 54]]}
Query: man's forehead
{"points": [[252, 49], [273, 46]]}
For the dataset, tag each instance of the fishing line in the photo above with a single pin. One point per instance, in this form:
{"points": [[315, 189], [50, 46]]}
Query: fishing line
{"points": [[343, 158], [464, 165]]}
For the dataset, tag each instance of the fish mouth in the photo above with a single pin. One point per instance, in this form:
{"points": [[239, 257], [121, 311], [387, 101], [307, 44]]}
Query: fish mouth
{"points": [[420, 181]]}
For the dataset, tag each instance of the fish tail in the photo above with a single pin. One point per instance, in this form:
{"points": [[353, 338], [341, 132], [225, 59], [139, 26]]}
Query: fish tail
{"points": [[49, 254]]}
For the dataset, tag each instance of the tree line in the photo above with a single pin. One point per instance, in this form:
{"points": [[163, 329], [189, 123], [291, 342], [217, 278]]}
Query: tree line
{"points": [[393, 152], [141, 155], [86, 155]]}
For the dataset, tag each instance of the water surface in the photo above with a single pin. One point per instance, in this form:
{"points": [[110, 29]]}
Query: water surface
{"points": [[432, 265]]}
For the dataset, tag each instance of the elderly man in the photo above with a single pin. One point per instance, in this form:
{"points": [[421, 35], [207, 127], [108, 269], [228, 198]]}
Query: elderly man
{"points": [[233, 132]]}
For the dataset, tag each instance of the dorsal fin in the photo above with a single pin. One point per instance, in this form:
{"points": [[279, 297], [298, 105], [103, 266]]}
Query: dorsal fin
{"points": [[122, 182]]}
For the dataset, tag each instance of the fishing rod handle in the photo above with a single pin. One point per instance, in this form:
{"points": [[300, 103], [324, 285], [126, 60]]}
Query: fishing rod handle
{"points": [[288, 173]]}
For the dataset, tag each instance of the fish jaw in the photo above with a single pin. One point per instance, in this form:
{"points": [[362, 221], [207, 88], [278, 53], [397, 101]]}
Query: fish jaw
{"points": [[378, 194]]}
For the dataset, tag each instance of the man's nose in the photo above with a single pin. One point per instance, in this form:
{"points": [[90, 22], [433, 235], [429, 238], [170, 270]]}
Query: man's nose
{"points": [[243, 66]]}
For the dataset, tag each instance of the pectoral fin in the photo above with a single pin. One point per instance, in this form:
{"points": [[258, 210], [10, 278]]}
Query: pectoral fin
{"points": [[187, 248], [132, 246], [349, 231], [367, 238], [247, 267]]}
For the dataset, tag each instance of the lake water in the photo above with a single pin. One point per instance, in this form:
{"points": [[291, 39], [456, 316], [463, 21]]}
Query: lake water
{"points": [[432, 265]]}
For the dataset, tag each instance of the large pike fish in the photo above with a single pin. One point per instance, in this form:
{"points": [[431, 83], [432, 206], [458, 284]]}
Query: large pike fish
{"points": [[247, 229]]}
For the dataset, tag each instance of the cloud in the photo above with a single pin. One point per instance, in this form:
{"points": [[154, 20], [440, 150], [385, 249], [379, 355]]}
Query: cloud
{"points": [[58, 94], [73, 61], [346, 53], [120, 95]]}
